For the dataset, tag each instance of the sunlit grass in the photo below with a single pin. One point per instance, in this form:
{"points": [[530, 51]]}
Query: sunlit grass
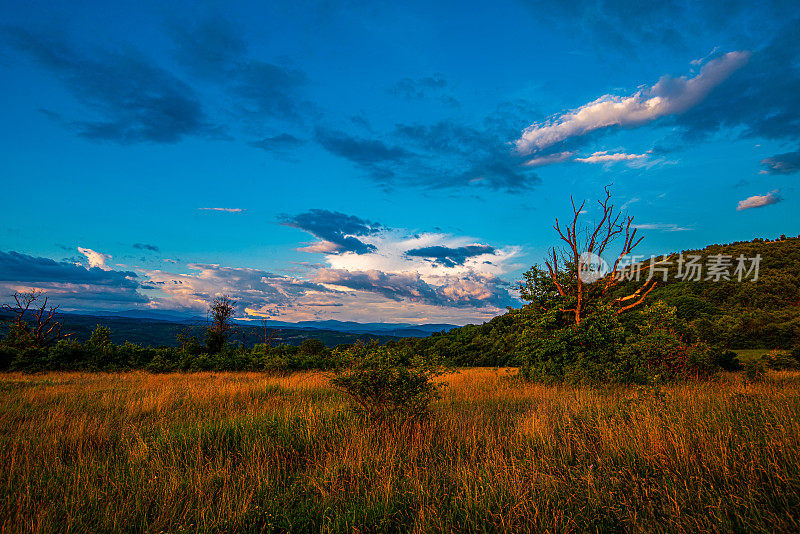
{"points": [[251, 452]]}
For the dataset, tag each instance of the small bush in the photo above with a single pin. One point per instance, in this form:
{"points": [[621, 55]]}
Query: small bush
{"points": [[727, 360], [780, 361], [386, 384]]}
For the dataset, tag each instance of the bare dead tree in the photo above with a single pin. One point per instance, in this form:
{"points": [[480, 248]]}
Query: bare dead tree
{"points": [[584, 240], [43, 330]]}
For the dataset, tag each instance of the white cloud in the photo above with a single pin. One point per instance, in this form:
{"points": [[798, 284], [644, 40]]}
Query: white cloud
{"points": [[759, 201], [633, 200], [700, 61], [322, 247], [667, 97], [227, 210], [96, 259], [605, 157], [390, 256], [662, 227], [549, 159], [416, 277]]}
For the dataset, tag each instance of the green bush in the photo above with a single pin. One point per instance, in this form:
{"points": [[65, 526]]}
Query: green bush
{"points": [[653, 344], [727, 360], [586, 353], [780, 361], [385, 383], [660, 347]]}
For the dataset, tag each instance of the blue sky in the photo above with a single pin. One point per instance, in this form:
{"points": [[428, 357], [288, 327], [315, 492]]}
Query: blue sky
{"points": [[375, 161]]}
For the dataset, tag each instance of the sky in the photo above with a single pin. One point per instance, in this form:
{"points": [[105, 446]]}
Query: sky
{"points": [[377, 161]]}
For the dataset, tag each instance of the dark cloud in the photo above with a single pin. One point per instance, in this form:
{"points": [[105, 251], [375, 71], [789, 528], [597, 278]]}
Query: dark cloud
{"points": [[268, 89], [209, 47], [787, 163], [337, 230], [277, 143], [444, 154], [18, 267], [393, 286], [465, 155], [212, 48], [134, 99], [631, 26], [69, 284], [422, 88], [450, 257], [762, 99], [470, 290], [365, 152], [145, 246], [379, 160]]}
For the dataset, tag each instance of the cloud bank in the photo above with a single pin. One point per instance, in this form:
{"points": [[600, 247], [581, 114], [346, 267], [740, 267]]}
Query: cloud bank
{"points": [[667, 97], [788, 163]]}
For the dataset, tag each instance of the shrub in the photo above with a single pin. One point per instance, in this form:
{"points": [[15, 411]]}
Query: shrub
{"points": [[385, 383], [641, 347], [161, 362], [584, 353], [780, 361], [31, 360], [796, 353], [7, 356], [727, 360], [661, 346]]}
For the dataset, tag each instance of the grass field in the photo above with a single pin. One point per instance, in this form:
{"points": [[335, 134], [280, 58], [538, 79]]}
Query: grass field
{"points": [[249, 452], [753, 354]]}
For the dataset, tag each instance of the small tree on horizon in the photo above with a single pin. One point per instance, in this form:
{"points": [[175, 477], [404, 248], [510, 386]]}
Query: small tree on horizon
{"points": [[219, 331]]}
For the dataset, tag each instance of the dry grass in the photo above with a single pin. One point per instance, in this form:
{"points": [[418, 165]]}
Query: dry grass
{"points": [[249, 452]]}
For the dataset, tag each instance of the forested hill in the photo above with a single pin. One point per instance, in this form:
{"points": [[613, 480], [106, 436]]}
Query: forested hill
{"points": [[736, 314], [160, 333]]}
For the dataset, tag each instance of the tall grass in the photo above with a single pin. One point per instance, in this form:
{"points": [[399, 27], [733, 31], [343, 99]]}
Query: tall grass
{"points": [[249, 452]]}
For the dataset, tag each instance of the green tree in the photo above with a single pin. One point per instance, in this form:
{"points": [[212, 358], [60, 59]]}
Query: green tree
{"points": [[221, 311]]}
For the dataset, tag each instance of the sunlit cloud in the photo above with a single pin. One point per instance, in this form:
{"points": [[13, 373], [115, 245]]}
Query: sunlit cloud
{"points": [[759, 201], [667, 97], [95, 259], [606, 157]]}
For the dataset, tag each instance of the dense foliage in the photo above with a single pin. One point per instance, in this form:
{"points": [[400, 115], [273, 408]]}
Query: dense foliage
{"points": [[100, 354], [727, 314]]}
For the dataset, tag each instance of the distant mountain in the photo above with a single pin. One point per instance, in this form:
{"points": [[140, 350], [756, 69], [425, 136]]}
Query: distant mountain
{"points": [[153, 315], [393, 329], [160, 327], [390, 329]]}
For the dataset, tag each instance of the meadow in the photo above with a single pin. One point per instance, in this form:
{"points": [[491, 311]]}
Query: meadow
{"points": [[221, 452]]}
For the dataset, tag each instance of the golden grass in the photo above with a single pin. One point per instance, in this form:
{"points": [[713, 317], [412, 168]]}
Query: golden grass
{"points": [[219, 452]]}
